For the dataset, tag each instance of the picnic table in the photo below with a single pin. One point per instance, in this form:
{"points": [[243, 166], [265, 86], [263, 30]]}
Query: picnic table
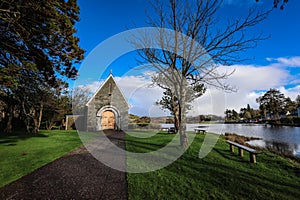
{"points": [[200, 130]]}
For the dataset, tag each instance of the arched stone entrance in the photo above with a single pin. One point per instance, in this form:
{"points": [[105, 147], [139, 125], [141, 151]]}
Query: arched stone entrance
{"points": [[108, 117], [108, 120]]}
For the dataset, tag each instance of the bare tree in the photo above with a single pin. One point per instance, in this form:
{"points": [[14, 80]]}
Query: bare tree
{"points": [[277, 2], [192, 46], [79, 96], [169, 100]]}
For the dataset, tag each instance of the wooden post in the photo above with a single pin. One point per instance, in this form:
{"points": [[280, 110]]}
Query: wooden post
{"points": [[231, 147], [241, 153], [252, 158]]}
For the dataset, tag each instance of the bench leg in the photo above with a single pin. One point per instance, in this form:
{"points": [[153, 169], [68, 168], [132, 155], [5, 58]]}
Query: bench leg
{"points": [[231, 147], [241, 152], [252, 158]]}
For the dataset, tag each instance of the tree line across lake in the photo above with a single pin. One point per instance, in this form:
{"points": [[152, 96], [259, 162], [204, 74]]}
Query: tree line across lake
{"points": [[274, 107]]}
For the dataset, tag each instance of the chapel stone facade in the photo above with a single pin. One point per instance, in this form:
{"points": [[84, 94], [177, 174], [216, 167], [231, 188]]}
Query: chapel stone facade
{"points": [[108, 108]]}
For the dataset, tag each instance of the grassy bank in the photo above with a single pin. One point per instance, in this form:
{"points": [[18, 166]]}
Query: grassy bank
{"points": [[22, 154], [220, 175]]}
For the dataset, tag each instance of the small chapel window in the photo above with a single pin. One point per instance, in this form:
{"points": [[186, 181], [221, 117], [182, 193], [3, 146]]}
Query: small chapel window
{"points": [[109, 89]]}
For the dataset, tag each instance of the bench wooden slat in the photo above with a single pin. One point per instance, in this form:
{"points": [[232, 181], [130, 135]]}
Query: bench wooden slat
{"points": [[240, 147], [243, 147]]}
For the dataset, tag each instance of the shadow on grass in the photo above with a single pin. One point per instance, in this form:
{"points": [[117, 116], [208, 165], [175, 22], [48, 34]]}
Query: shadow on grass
{"points": [[10, 140], [234, 177], [149, 144], [144, 146], [220, 175], [7, 141], [233, 156]]}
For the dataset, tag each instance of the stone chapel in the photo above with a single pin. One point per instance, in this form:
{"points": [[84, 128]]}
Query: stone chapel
{"points": [[108, 108]]}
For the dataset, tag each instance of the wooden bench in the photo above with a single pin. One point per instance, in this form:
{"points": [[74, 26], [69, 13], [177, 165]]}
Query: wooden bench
{"points": [[240, 147], [171, 130], [199, 130], [164, 129]]}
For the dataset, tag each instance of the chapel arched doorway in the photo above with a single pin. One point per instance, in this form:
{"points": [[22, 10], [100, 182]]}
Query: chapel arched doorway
{"points": [[108, 120]]}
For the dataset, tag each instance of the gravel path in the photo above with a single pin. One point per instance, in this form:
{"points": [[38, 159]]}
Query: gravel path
{"points": [[77, 175]]}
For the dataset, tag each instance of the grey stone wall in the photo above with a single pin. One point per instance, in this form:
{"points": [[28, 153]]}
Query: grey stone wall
{"points": [[108, 95]]}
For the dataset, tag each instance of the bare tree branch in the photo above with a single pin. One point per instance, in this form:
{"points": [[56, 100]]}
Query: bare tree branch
{"points": [[193, 45]]}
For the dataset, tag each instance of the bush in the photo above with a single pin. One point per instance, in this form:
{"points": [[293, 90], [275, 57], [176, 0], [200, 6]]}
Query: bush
{"points": [[294, 121]]}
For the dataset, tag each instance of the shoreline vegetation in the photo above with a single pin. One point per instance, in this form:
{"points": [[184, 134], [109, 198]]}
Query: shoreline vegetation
{"points": [[244, 141], [220, 175], [157, 125], [153, 122], [291, 121]]}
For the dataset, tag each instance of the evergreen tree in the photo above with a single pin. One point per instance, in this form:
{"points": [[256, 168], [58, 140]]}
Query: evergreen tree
{"points": [[298, 101], [272, 102], [37, 43]]}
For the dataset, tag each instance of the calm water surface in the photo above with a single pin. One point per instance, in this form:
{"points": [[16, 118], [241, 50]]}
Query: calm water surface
{"points": [[283, 138]]}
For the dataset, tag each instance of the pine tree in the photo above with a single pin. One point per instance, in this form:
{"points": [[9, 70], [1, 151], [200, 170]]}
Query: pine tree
{"points": [[37, 41]]}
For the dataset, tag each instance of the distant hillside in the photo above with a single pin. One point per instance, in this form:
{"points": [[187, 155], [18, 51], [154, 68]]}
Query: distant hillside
{"points": [[169, 119], [203, 118]]}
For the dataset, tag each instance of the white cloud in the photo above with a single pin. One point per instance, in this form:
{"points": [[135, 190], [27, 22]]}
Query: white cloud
{"points": [[251, 81], [92, 87], [139, 93], [250, 77], [290, 92], [285, 61]]}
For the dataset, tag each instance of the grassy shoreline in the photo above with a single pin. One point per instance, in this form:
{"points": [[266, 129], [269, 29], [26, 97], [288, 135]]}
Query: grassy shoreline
{"points": [[220, 175]]}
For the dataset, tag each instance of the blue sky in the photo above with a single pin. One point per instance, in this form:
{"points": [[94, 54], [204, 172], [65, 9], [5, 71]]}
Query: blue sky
{"points": [[274, 63]]}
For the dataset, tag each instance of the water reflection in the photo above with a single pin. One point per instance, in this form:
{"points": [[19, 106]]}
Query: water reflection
{"points": [[285, 148], [280, 138]]}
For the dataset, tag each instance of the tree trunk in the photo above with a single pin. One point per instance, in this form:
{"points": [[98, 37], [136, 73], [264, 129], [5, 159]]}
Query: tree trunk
{"points": [[182, 114], [27, 125], [35, 125], [40, 115], [37, 118], [176, 117], [9, 118], [8, 126], [176, 122], [50, 124], [182, 130]]}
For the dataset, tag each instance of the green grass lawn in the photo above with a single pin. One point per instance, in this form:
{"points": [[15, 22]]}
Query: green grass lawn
{"points": [[22, 154], [220, 175]]}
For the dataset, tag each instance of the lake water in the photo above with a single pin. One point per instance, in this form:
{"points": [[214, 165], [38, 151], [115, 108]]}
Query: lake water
{"points": [[282, 138]]}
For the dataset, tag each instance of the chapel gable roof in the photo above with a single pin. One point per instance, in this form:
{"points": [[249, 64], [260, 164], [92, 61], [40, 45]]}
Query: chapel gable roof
{"points": [[110, 80]]}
